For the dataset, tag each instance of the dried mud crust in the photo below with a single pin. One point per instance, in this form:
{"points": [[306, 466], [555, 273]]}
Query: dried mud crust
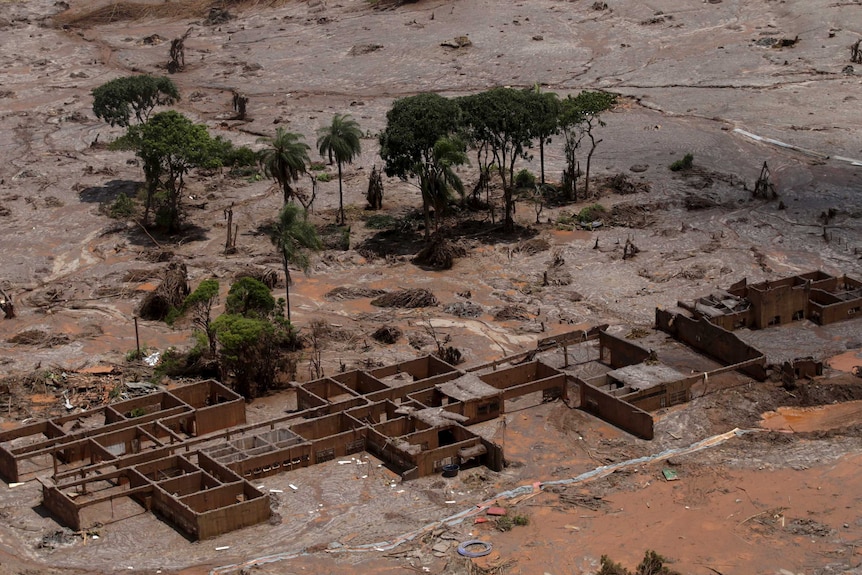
{"points": [[70, 267]]}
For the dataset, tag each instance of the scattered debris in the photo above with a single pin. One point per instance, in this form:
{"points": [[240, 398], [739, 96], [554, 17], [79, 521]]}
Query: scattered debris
{"points": [[591, 502], [474, 548], [670, 474], [458, 42]]}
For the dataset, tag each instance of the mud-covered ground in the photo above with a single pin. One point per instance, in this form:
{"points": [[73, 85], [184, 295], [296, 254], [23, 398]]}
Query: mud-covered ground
{"points": [[689, 76]]}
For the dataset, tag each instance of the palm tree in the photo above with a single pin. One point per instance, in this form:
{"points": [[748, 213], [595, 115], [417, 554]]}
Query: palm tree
{"points": [[340, 140], [448, 154], [285, 159], [294, 237]]}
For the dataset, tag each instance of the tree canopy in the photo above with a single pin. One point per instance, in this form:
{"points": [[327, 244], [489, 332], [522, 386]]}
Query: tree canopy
{"points": [[249, 297], [116, 101], [284, 160], [169, 144], [414, 125], [294, 237], [200, 303], [501, 119], [340, 140]]}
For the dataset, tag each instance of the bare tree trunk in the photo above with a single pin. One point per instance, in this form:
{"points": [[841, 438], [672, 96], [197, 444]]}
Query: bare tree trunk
{"points": [[593, 144], [542, 157], [340, 196], [286, 286]]}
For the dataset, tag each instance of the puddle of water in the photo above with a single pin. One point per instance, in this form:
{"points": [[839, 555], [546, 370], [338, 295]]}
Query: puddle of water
{"points": [[822, 417], [562, 237]]}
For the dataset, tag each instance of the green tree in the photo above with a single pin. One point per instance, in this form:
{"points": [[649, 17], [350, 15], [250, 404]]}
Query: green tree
{"points": [[169, 144], [501, 119], [340, 140], [570, 120], [116, 101], [545, 111], [587, 108], [284, 160], [414, 125], [294, 237], [247, 352], [200, 303], [250, 298]]}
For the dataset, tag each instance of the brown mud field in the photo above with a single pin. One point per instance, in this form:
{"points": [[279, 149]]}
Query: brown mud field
{"points": [[695, 77]]}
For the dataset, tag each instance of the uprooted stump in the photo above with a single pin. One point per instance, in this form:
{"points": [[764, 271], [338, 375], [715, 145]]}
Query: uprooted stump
{"points": [[37, 337], [510, 312], [170, 294], [352, 292], [439, 254], [266, 276], [407, 298], [387, 334]]}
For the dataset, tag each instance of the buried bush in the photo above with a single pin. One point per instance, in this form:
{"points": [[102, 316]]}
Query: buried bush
{"points": [[652, 564], [122, 208], [592, 213], [525, 179], [685, 163]]}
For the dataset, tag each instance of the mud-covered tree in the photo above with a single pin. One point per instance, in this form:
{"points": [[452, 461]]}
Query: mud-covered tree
{"points": [[170, 145], [340, 140], [545, 111], [589, 106], [294, 237], [414, 125], [200, 304], [570, 120], [284, 160], [117, 101], [501, 119]]}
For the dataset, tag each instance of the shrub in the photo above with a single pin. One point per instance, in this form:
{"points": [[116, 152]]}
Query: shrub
{"points": [[525, 179], [684, 164], [381, 222], [592, 213], [566, 222], [324, 177], [122, 208], [317, 166]]}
